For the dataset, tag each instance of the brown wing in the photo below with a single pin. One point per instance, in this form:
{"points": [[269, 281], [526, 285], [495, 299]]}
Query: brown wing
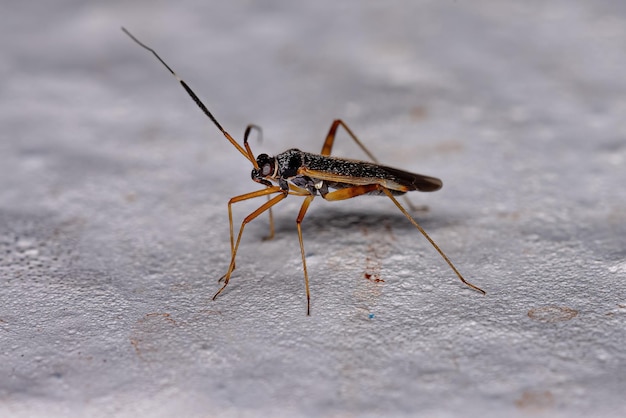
{"points": [[414, 181], [391, 178]]}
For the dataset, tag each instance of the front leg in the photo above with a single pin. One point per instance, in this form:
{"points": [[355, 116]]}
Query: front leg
{"points": [[268, 191]]}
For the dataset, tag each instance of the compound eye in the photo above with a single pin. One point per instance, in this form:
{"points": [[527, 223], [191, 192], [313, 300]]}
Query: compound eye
{"points": [[266, 170]]}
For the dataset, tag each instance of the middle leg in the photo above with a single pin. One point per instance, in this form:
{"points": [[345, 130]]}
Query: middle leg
{"points": [[303, 209], [248, 219]]}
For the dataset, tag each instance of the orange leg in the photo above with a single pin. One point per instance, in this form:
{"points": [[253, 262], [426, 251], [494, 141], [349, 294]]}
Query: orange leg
{"points": [[303, 209], [351, 192], [330, 140], [260, 210], [445, 257], [294, 191], [240, 198]]}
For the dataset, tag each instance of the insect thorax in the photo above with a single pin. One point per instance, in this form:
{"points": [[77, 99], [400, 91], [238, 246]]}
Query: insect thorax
{"points": [[289, 162]]}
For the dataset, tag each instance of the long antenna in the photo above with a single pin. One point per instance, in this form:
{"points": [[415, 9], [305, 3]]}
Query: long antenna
{"points": [[194, 97]]}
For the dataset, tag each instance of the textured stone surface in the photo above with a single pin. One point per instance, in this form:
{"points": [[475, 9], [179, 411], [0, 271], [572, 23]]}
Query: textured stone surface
{"points": [[114, 226]]}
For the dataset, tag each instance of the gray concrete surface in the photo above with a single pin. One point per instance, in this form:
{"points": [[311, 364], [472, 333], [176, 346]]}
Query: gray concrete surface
{"points": [[114, 229]]}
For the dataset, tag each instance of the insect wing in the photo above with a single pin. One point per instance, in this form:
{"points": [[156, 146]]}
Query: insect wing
{"points": [[393, 178], [414, 181]]}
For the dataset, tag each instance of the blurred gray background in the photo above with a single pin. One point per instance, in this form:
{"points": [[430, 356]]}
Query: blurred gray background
{"points": [[114, 225]]}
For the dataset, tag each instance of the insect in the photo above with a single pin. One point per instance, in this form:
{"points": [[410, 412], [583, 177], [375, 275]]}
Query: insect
{"points": [[304, 174]]}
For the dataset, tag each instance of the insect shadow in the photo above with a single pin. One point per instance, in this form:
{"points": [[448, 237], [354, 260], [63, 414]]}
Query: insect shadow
{"points": [[341, 220]]}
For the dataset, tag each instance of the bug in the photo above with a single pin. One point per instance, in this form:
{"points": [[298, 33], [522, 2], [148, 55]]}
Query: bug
{"points": [[307, 175]]}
